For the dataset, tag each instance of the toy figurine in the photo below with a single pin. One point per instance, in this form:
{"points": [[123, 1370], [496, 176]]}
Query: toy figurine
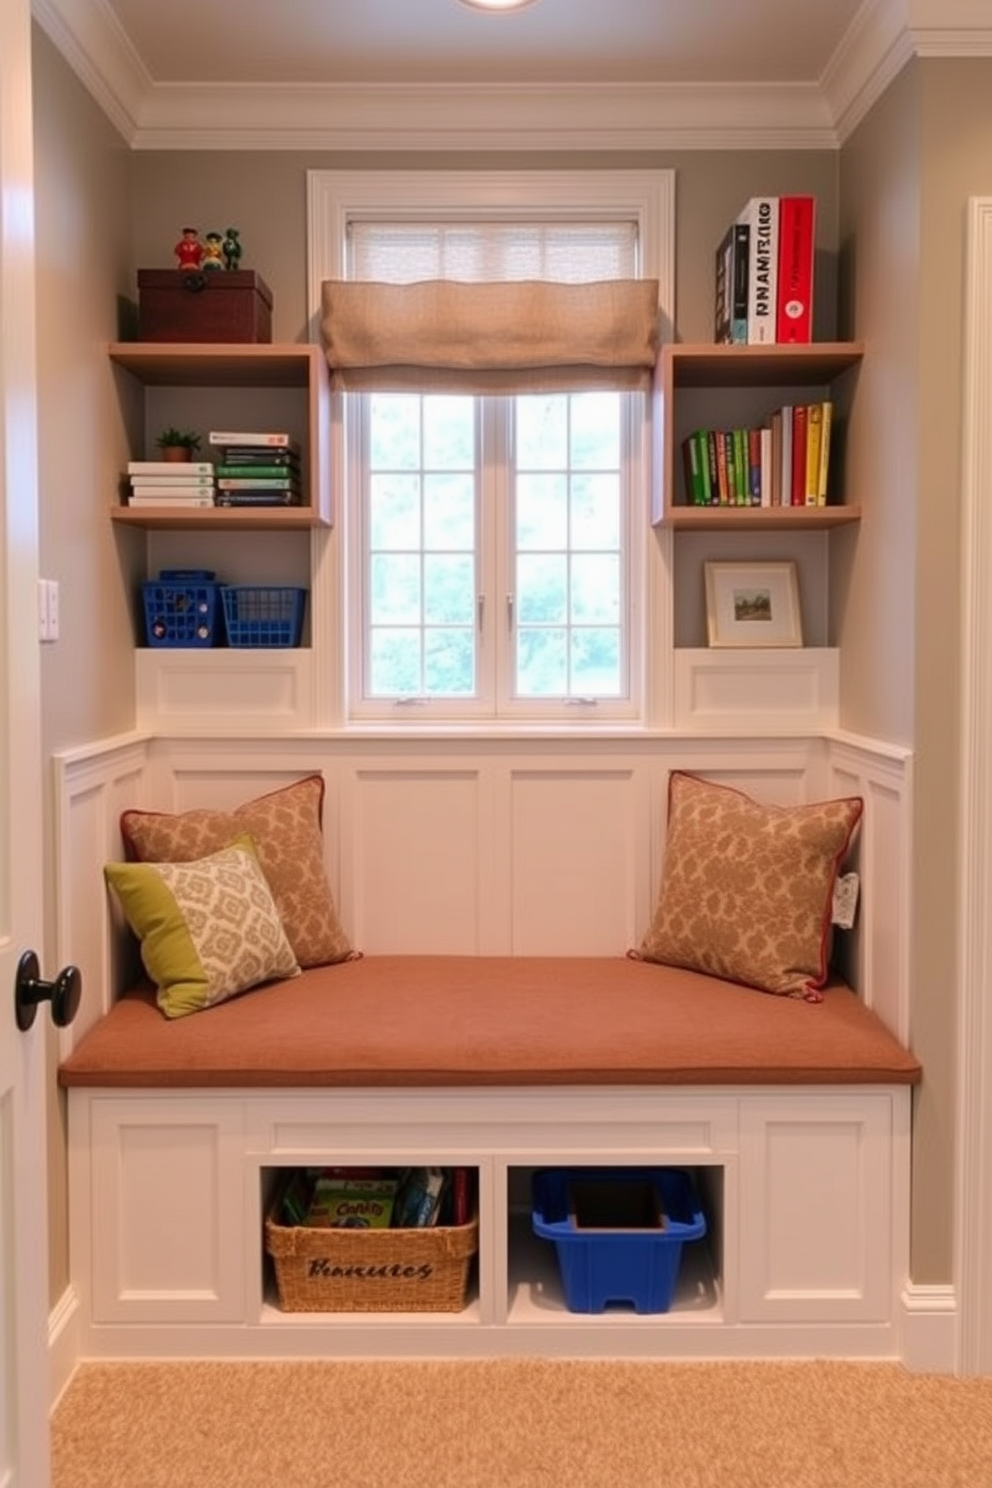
{"points": [[232, 249], [189, 251], [213, 257]]}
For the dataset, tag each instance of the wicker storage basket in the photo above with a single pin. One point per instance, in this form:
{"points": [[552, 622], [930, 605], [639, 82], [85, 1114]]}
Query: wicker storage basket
{"points": [[401, 1270]]}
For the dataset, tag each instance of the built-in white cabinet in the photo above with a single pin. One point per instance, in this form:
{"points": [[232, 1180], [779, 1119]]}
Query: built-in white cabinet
{"points": [[805, 1194]]}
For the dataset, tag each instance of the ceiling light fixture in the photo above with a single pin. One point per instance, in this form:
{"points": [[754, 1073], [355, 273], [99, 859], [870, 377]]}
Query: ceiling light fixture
{"points": [[495, 6]]}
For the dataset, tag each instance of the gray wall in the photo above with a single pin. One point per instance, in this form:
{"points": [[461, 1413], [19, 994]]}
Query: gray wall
{"points": [[264, 194], [955, 102], [83, 216], [906, 175]]}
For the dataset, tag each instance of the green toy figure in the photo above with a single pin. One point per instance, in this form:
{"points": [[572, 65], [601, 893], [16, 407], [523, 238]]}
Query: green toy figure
{"points": [[232, 249], [189, 251], [213, 255]]}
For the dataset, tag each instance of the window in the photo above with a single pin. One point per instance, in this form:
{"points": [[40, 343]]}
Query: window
{"points": [[493, 556]]}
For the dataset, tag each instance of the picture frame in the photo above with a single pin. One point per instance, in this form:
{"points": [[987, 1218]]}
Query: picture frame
{"points": [[752, 604]]}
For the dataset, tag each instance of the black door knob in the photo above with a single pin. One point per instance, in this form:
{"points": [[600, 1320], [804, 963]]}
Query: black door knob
{"points": [[64, 993]]}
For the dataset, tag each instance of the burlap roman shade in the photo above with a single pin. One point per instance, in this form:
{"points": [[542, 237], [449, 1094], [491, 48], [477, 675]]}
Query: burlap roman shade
{"points": [[490, 337]]}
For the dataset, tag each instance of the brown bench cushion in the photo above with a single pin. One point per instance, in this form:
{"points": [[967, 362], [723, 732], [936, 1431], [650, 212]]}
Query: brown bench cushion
{"points": [[464, 1020]]}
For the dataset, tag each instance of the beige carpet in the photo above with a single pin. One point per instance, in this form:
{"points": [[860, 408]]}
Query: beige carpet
{"points": [[520, 1424]]}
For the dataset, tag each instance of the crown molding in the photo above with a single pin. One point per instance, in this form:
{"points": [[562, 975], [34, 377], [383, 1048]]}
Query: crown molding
{"points": [[93, 43], [396, 118], [884, 36]]}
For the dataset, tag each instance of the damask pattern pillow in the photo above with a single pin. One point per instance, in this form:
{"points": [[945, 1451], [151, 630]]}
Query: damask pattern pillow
{"points": [[285, 826], [747, 890], [208, 929]]}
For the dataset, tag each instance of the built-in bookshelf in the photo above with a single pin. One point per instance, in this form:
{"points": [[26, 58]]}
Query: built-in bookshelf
{"points": [[238, 386], [709, 387]]}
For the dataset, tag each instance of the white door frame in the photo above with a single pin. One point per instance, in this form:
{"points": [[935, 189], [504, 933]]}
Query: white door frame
{"points": [[973, 1198], [24, 1308]]}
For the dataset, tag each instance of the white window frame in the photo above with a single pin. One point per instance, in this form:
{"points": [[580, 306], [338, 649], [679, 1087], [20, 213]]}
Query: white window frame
{"points": [[334, 199]]}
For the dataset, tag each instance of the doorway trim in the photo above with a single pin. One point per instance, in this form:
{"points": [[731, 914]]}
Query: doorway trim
{"points": [[973, 1203]]}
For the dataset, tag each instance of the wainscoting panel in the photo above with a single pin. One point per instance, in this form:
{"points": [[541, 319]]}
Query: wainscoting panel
{"points": [[579, 848], [92, 788], [767, 689], [819, 1203], [163, 1168], [417, 869], [879, 959], [201, 691]]}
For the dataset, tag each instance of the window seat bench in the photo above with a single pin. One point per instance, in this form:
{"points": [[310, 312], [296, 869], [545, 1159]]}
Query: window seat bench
{"points": [[794, 1119], [463, 1020]]}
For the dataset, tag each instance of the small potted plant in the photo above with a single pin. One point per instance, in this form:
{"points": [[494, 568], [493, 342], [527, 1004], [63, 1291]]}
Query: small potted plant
{"points": [[178, 444]]}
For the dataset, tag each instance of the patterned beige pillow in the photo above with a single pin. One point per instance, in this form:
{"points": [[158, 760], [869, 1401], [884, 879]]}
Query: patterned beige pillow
{"points": [[208, 929], [746, 890], [286, 829]]}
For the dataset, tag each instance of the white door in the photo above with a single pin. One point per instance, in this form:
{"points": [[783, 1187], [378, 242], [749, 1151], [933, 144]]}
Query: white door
{"points": [[24, 1393]]}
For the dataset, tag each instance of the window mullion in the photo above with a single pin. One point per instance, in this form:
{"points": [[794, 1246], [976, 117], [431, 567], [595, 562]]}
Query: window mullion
{"points": [[500, 547], [492, 583]]}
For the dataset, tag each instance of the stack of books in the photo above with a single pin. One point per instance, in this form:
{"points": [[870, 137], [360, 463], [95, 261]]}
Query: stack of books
{"points": [[256, 467], [784, 462], [170, 483], [764, 273]]}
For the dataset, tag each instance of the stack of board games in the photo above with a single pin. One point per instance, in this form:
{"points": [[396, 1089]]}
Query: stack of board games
{"points": [[256, 468]]}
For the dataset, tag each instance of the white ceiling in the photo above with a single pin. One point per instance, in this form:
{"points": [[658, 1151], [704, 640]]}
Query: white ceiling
{"points": [[432, 73], [441, 41]]}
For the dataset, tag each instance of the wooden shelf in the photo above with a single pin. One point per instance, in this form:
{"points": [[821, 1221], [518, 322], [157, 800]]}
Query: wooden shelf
{"points": [[751, 518], [729, 372], [703, 365], [235, 519], [186, 364]]}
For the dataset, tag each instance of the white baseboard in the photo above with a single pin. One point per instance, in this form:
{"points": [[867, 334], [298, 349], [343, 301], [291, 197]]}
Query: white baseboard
{"points": [[63, 1343], [929, 1329]]}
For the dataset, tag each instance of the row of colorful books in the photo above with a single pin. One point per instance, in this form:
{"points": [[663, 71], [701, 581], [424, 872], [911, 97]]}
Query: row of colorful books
{"points": [[251, 468], [784, 462], [765, 273]]}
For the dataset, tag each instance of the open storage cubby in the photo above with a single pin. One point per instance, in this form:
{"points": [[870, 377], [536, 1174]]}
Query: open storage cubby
{"points": [[363, 1268], [535, 1290], [204, 387], [708, 386]]}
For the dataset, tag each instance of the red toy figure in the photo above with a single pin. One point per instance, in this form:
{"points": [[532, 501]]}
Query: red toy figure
{"points": [[189, 250]]}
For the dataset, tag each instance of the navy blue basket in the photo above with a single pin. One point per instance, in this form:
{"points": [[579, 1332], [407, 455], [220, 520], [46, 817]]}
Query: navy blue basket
{"points": [[263, 615], [182, 608]]}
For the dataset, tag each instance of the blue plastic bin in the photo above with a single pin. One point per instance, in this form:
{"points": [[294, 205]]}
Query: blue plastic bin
{"points": [[618, 1232], [182, 608], [263, 614]]}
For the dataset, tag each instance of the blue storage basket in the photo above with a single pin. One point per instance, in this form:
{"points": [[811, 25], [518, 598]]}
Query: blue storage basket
{"points": [[182, 608], [263, 615], [618, 1232]]}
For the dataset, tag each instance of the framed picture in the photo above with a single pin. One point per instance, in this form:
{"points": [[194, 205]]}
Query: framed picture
{"points": [[753, 604]]}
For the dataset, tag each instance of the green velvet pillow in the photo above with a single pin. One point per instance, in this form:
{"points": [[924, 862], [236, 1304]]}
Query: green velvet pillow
{"points": [[208, 929]]}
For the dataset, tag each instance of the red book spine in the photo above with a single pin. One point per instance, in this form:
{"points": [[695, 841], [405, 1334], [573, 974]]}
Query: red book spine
{"points": [[796, 228], [722, 473], [798, 455]]}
